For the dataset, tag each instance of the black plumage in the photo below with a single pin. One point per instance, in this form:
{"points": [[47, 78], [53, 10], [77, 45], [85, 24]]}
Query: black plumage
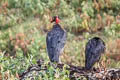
{"points": [[94, 48], [55, 41]]}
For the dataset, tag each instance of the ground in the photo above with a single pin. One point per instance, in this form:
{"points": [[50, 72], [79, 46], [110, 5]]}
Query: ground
{"points": [[23, 33]]}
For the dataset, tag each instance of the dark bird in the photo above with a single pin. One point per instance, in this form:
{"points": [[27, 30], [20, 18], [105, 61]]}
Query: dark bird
{"points": [[55, 40], [94, 48]]}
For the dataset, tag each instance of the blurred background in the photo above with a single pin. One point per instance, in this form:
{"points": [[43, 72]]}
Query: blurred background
{"points": [[24, 24]]}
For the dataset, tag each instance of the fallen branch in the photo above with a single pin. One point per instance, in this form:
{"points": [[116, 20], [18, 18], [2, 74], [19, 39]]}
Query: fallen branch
{"points": [[76, 72]]}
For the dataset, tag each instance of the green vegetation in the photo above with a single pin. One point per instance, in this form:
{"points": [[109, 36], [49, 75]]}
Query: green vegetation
{"points": [[23, 26]]}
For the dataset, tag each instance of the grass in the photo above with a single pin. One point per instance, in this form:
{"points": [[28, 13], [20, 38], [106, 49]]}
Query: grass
{"points": [[29, 29]]}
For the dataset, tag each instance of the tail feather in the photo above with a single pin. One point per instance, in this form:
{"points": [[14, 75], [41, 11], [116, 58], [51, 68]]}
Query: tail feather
{"points": [[55, 58], [88, 66]]}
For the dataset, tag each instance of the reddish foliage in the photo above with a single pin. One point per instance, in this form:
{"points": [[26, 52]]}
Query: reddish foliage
{"points": [[114, 50], [19, 41]]}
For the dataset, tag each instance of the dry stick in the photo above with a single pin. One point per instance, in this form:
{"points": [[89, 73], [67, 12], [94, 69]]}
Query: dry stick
{"points": [[105, 74]]}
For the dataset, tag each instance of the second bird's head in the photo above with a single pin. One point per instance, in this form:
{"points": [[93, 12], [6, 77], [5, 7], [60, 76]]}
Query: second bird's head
{"points": [[55, 19]]}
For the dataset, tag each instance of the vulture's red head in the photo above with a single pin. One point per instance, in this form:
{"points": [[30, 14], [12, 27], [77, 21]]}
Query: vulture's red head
{"points": [[55, 19]]}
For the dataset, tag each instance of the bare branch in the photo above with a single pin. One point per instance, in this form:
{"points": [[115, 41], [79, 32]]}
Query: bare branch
{"points": [[76, 72]]}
